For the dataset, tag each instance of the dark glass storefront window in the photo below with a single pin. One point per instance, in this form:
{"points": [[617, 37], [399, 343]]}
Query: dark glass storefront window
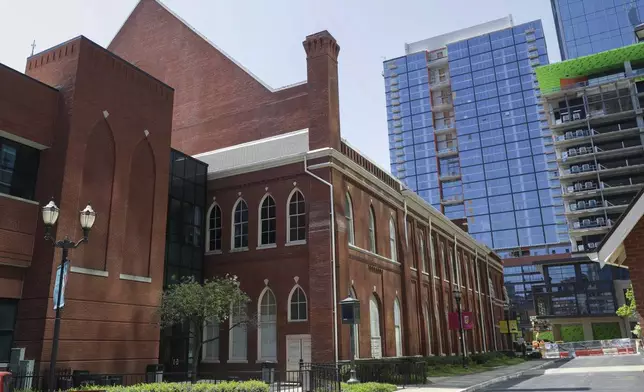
{"points": [[18, 169], [7, 321]]}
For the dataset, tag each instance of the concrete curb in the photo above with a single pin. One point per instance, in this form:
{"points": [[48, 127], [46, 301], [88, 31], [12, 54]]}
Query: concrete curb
{"points": [[493, 381]]}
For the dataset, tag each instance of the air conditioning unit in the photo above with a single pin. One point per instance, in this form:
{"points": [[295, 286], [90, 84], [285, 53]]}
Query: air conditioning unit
{"points": [[591, 245]]}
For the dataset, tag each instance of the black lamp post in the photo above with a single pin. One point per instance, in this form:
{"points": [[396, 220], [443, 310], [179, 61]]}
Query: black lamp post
{"points": [[350, 310], [457, 297], [50, 216]]}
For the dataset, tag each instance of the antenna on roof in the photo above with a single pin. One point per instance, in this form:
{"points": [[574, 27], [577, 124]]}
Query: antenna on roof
{"points": [[33, 47]]}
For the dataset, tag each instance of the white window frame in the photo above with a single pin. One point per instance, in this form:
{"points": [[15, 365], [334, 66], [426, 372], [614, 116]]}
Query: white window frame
{"points": [[260, 220], [288, 218], [231, 331], [205, 358], [209, 228], [374, 323], [348, 215], [373, 244], [306, 301], [260, 355], [232, 226], [398, 333], [393, 251]]}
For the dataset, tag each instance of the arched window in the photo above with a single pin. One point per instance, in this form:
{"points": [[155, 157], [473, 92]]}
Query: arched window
{"points": [[392, 239], [238, 336], [428, 327], [421, 252], [267, 221], [297, 310], [372, 231], [240, 225], [374, 318], [296, 221], [210, 351], [356, 328], [214, 228], [267, 330], [348, 214], [397, 328]]}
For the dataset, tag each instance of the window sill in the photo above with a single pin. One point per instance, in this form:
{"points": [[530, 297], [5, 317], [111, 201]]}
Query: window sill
{"points": [[413, 269], [295, 243], [269, 360], [236, 250], [425, 273], [89, 271], [8, 196], [213, 252], [135, 278], [266, 246], [237, 361], [210, 361], [297, 321], [351, 246]]}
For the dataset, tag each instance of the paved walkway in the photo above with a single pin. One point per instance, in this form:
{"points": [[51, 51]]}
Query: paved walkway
{"points": [[472, 382]]}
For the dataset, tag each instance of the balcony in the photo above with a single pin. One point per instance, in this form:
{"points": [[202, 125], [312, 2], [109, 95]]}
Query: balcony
{"points": [[594, 207], [449, 176], [447, 152], [590, 188], [452, 200], [577, 172], [437, 59], [584, 152], [589, 226], [442, 104], [444, 126], [438, 82], [580, 136]]}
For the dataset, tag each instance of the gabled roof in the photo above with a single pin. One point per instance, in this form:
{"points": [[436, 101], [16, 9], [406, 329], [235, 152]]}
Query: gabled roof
{"points": [[220, 50], [611, 250]]}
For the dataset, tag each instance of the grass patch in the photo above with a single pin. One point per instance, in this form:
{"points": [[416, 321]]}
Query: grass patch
{"points": [[459, 370]]}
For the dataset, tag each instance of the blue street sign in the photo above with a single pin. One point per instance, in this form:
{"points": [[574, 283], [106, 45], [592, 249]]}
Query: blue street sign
{"points": [[62, 295]]}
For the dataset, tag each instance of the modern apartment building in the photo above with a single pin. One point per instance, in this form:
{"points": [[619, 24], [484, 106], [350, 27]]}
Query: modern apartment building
{"points": [[593, 106], [591, 26], [465, 134]]}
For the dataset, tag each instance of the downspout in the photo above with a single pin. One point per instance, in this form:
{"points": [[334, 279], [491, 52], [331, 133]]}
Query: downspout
{"points": [[432, 266], [487, 269], [333, 264], [478, 285]]}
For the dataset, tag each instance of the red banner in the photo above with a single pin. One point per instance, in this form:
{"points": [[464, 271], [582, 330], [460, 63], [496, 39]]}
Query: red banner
{"points": [[468, 320]]}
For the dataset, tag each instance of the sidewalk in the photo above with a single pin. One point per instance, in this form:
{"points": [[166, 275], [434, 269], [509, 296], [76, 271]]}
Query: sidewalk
{"points": [[473, 382]]}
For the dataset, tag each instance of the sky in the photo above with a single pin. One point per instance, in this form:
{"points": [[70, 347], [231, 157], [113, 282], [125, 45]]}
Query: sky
{"points": [[266, 37]]}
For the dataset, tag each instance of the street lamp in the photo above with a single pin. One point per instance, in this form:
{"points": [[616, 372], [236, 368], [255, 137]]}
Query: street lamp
{"points": [[639, 32], [350, 310], [50, 214], [457, 296]]}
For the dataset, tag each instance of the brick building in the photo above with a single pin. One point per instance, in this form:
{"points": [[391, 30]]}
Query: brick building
{"points": [[301, 217]]}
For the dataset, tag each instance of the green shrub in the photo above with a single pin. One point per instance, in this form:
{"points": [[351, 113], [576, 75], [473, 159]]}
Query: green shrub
{"points": [[368, 387], [204, 386]]}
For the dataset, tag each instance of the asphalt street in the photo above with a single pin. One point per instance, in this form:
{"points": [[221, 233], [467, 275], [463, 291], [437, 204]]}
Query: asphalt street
{"points": [[596, 374]]}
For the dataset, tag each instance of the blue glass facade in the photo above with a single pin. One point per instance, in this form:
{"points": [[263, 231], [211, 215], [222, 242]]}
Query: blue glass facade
{"points": [[591, 26], [468, 138]]}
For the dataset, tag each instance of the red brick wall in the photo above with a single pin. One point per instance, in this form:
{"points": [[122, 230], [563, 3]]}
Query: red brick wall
{"points": [[108, 323], [226, 98], [634, 245]]}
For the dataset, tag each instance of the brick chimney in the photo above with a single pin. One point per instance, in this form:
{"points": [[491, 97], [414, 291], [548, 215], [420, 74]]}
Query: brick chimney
{"points": [[322, 79]]}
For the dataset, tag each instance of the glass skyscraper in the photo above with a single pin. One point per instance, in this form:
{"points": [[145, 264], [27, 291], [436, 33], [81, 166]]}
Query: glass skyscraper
{"points": [[591, 26], [467, 133]]}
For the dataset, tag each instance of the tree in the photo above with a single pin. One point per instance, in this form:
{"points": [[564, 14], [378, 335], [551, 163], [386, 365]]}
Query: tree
{"points": [[629, 309], [195, 303]]}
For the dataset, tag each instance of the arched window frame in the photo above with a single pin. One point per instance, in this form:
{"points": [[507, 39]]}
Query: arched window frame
{"points": [[306, 302], [213, 208], [260, 355], [348, 214], [237, 314], [398, 333], [375, 325], [260, 220], [392, 240], [289, 240], [373, 239], [232, 226]]}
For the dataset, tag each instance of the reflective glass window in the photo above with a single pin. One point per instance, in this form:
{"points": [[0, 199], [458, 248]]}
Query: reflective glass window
{"points": [[467, 126], [512, 101], [487, 106], [459, 67], [531, 236], [504, 55], [545, 197], [458, 50], [501, 203], [422, 135], [551, 234], [476, 206], [417, 61], [491, 138], [499, 186], [395, 66], [427, 181], [520, 166], [543, 180], [512, 117], [464, 96], [424, 150], [522, 183], [503, 220], [474, 190], [561, 273], [481, 61], [420, 76], [501, 39], [461, 81], [525, 67], [527, 218], [483, 76], [426, 165], [508, 86], [527, 82], [494, 153], [490, 121], [479, 44], [505, 239], [485, 91], [525, 200], [516, 133], [472, 173], [496, 170], [418, 91], [548, 215], [530, 98], [469, 142], [420, 106], [471, 157], [421, 120], [465, 111], [519, 149], [506, 71], [432, 196], [477, 224]]}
